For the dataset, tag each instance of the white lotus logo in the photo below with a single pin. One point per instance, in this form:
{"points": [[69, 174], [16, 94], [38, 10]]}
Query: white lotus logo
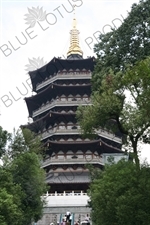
{"points": [[34, 64], [34, 15]]}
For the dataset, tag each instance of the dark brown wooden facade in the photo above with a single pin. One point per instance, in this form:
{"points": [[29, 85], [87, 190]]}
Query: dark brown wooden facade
{"points": [[60, 87]]}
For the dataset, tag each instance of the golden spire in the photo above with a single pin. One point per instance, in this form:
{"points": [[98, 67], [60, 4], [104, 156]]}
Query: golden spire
{"points": [[74, 48]]}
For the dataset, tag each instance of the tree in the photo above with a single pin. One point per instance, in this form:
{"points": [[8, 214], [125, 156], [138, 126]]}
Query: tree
{"points": [[122, 103], [22, 180], [122, 70], [10, 195], [4, 137], [124, 46], [120, 195], [27, 172]]}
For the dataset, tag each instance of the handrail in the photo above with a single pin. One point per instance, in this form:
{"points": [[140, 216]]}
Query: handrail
{"points": [[53, 161], [100, 132], [72, 193], [50, 105], [63, 77]]}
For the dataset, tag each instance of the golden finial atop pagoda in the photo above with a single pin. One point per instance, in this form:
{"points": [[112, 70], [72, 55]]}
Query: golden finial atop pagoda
{"points": [[74, 48]]}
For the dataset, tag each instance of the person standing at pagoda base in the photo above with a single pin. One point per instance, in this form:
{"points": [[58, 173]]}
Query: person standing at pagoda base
{"points": [[87, 218], [68, 218], [63, 221], [68, 214]]}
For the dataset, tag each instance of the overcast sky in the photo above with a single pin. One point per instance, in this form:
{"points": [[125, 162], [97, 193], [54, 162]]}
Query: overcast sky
{"points": [[46, 39]]}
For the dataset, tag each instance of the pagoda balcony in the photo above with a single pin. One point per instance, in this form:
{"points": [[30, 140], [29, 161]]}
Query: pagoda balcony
{"points": [[70, 161], [56, 131], [75, 131], [61, 76], [56, 103], [85, 159]]}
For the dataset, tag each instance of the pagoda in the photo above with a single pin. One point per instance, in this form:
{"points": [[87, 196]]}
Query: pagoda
{"points": [[61, 86]]}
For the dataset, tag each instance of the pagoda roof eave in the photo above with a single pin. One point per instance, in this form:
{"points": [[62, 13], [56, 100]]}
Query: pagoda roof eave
{"points": [[99, 141], [47, 120], [58, 64], [72, 142], [35, 101], [50, 87]]}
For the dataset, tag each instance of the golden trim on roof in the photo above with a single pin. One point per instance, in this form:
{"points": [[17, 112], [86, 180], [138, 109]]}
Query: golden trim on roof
{"points": [[74, 40]]}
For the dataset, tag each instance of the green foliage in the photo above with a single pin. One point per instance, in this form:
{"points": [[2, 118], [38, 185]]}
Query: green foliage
{"points": [[22, 180], [122, 68], [24, 141], [10, 203], [4, 137], [10, 213], [120, 195], [27, 173], [125, 45], [122, 103]]}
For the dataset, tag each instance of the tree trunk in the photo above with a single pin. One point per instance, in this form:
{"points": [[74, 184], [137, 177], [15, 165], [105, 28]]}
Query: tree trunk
{"points": [[135, 153]]}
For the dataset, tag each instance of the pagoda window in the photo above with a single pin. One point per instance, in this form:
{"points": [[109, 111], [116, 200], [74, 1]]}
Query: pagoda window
{"points": [[87, 139], [84, 71], [69, 154], [78, 96], [63, 111], [95, 155], [78, 139], [63, 98], [88, 154], [70, 123], [70, 139], [70, 111], [62, 126], [69, 127], [79, 154], [85, 97], [71, 70], [61, 139], [60, 155], [70, 97]]}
